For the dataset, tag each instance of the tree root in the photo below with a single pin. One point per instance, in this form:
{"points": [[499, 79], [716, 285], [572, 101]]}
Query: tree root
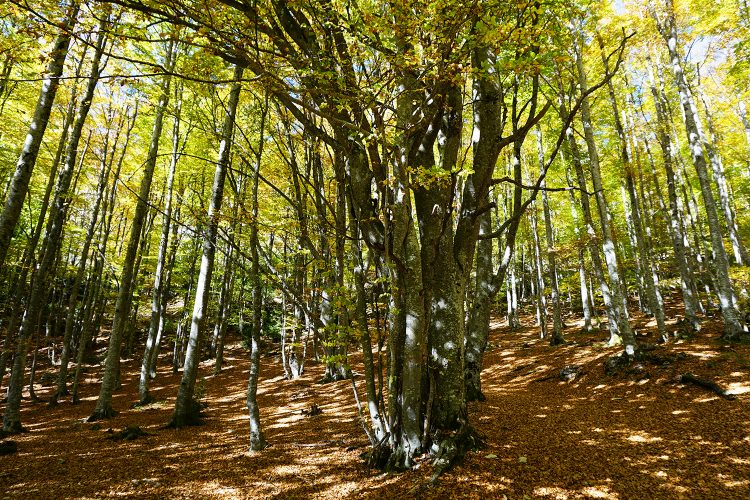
{"points": [[453, 448], [557, 340], [379, 455], [567, 374], [129, 433], [105, 414], [645, 354], [144, 401], [314, 410], [689, 378], [14, 428], [192, 417]]}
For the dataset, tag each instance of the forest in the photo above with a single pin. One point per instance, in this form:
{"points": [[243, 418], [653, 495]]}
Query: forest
{"points": [[374, 249]]}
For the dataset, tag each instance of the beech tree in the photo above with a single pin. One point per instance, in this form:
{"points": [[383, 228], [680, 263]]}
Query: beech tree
{"points": [[398, 174]]}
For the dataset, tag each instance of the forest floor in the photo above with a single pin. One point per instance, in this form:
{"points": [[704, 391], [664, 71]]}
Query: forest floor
{"points": [[639, 434]]}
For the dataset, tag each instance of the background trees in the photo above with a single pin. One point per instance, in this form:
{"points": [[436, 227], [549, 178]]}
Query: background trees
{"points": [[384, 188]]}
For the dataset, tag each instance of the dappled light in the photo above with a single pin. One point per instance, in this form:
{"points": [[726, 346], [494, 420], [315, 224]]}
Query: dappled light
{"points": [[369, 249], [595, 437]]}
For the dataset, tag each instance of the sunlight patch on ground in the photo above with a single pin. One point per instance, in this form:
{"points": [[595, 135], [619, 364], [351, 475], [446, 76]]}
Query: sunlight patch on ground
{"points": [[705, 400], [677, 488], [737, 388], [643, 437], [704, 355], [730, 482], [231, 398], [564, 494], [293, 470], [599, 492]]}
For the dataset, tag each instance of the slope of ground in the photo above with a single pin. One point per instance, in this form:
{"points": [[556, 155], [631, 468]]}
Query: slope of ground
{"points": [[640, 434]]}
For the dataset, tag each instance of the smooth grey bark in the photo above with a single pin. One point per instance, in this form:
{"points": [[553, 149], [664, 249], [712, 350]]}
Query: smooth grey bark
{"points": [[124, 295], [257, 439], [733, 324], [572, 150], [488, 126], [336, 317], [225, 296], [157, 293], [89, 310], [174, 243], [644, 303], [6, 86], [587, 305], [742, 112], [513, 305], [720, 179], [75, 135], [540, 299], [647, 272], [699, 249], [408, 335], [227, 280], [478, 325], [447, 257], [51, 247], [19, 280], [294, 354], [25, 166], [285, 361], [377, 423], [77, 282], [186, 408], [557, 324], [619, 303], [679, 237], [179, 340], [130, 331]]}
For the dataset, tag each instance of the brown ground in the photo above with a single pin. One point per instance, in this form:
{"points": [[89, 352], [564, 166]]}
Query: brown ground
{"points": [[637, 435]]}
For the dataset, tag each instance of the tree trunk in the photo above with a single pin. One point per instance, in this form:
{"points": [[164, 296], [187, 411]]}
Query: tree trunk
{"points": [[478, 326], [742, 112], [186, 408], [257, 440], [124, 296], [733, 324], [710, 144], [26, 162], [167, 286], [131, 325], [571, 148], [647, 272], [587, 305], [377, 423], [619, 303], [101, 187], [538, 277], [51, 247], [225, 299], [557, 323], [158, 292]]}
